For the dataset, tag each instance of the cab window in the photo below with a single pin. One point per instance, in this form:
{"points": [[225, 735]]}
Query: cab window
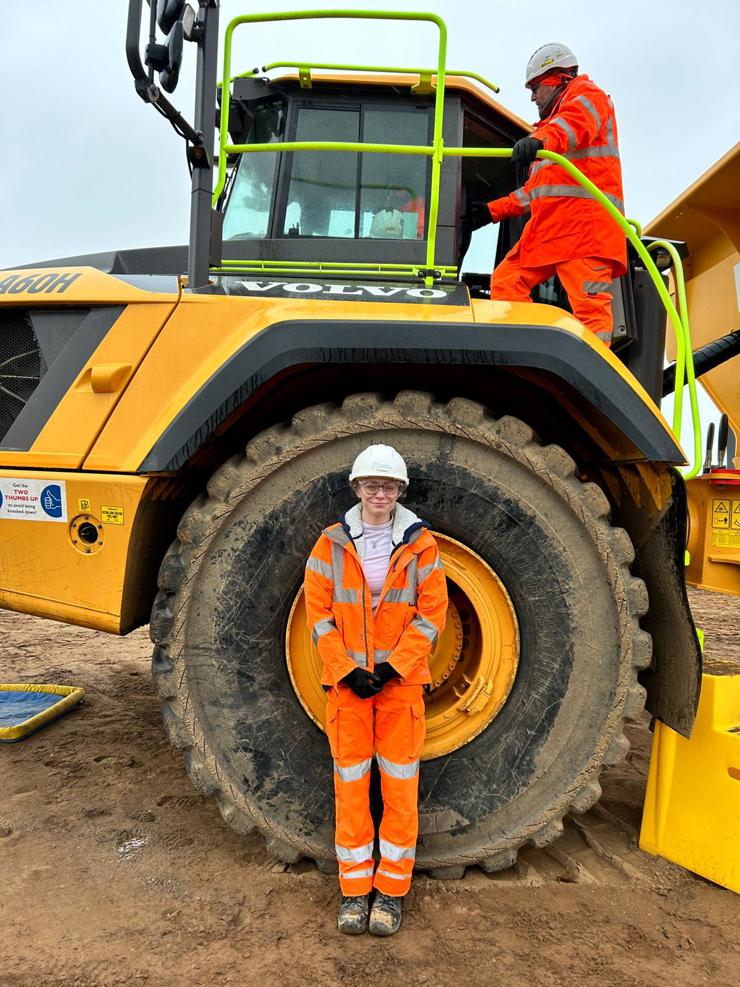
{"points": [[350, 195]]}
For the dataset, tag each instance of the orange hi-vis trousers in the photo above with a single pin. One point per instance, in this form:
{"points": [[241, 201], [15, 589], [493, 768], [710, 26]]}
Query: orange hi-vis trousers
{"points": [[391, 727], [586, 280]]}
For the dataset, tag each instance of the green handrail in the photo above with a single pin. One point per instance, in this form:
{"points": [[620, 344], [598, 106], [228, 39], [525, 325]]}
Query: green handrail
{"points": [[682, 363], [306, 67]]}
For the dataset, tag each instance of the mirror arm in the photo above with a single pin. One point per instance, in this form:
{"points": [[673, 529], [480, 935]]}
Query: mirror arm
{"points": [[151, 93]]}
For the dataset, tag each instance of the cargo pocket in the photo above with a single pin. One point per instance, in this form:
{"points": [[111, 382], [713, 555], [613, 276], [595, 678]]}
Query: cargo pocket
{"points": [[418, 729], [332, 730]]}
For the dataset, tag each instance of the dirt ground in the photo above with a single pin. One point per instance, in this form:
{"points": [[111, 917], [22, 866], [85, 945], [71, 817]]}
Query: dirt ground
{"points": [[116, 872]]}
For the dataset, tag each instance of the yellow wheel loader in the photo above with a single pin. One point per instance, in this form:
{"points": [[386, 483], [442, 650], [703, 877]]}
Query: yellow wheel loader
{"points": [[177, 426]]}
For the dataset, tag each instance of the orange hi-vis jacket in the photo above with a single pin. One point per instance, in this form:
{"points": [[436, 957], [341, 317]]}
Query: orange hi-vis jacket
{"points": [[411, 609], [566, 222]]}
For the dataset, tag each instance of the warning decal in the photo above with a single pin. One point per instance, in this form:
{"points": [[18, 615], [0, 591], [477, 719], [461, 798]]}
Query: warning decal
{"points": [[726, 524], [111, 515], [721, 514], [33, 500]]}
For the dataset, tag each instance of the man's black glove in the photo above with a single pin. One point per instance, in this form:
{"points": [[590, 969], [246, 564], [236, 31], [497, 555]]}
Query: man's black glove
{"points": [[364, 684], [523, 154], [478, 215], [384, 672]]}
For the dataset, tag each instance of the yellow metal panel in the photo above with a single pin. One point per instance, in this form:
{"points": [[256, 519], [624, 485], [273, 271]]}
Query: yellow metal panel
{"points": [[199, 338], [692, 804], [714, 532], [77, 420], [42, 570]]}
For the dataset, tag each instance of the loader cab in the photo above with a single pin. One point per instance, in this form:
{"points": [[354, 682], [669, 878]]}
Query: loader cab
{"points": [[358, 209]]}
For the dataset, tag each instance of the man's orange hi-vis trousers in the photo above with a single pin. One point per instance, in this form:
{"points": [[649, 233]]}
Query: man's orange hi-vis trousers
{"points": [[391, 727], [587, 282]]}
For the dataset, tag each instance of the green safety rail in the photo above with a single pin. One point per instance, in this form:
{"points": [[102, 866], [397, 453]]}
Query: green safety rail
{"points": [[438, 152]]}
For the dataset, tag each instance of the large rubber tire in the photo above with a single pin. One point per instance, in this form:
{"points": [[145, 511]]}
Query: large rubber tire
{"points": [[228, 582]]}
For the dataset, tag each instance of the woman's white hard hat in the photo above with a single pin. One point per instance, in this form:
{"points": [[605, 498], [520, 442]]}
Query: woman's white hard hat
{"points": [[550, 56], [379, 460]]}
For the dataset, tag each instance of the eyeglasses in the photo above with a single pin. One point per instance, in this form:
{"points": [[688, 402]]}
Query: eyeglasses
{"points": [[372, 487]]}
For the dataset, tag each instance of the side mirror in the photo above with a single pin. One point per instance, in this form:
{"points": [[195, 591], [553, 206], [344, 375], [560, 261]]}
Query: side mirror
{"points": [[167, 58], [168, 12]]}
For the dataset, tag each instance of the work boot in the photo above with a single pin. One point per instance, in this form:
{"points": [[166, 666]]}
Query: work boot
{"points": [[385, 917], [352, 917]]}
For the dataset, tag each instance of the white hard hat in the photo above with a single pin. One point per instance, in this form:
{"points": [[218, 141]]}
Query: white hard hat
{"points": [[379, 460], [550, 56]]}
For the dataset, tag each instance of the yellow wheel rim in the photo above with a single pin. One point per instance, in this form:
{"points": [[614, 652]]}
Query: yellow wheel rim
{"points": [[473, 664]]}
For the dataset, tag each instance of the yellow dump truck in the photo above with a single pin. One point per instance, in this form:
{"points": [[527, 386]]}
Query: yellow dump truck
{"points": [[177, 426]]}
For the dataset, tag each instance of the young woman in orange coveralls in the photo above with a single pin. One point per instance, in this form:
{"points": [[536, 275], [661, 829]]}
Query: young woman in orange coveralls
{"points": [[376, 599], [568, 233]]}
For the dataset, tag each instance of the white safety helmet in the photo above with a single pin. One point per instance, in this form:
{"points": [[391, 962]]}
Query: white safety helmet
{"points": [[550, 56], [379, 460]]}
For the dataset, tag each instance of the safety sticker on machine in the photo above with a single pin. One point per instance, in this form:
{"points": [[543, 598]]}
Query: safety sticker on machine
{"points": [[111, 515], [726, 523], [33, 500], [721, 514]]}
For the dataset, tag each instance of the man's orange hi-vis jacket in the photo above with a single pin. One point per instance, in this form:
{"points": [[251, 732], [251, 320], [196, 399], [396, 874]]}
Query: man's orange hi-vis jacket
{"points": [[411, 609]]}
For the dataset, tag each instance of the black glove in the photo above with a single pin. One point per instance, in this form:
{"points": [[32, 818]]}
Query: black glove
{"points": [[384, 672], [477, 215], [363, 683], [523, 154]]}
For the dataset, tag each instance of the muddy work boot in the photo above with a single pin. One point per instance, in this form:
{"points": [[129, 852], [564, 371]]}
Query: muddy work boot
{"points": [[385, 917], [352, 917]]}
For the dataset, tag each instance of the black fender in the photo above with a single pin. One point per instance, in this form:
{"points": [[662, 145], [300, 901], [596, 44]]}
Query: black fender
{"points": [[334, 342]]}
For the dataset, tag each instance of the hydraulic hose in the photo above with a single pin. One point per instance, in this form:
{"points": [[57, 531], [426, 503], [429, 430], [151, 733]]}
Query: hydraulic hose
{"points": [[706, 358]]}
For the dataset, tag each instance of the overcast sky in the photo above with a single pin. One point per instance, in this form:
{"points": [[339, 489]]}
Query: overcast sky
{"points": [[88, 166]]}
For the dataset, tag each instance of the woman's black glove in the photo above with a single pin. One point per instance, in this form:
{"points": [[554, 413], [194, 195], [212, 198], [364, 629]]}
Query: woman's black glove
{"points": [[364, 684], [384, 672], [523, 154]]}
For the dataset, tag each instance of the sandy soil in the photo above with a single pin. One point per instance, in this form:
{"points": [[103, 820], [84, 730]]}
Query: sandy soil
{"points": [[116, 872]]}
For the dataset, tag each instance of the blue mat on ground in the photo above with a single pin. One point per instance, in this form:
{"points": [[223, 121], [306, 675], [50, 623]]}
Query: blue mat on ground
{"points": [[25, 708]]}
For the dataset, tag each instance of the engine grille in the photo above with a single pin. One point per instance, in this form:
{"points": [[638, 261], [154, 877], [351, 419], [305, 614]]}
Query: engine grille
{"points": [[22, 365]]}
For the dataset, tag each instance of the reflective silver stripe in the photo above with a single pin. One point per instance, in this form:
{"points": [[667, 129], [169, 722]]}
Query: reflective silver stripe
{"points": [[324, 568], [605, 335], [571, 192], [589, 286], [392, 852], [538, 165], [365, 872], [357, 856], [354, 772], [427, 570], [521, 196], [426, 627], [396, 877], [341, 595], [585, 101], [321, 627], [394, 770], [381, 656], [602, 151], [359, 657], [610, 134], [569, 131], [406, 595]]}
